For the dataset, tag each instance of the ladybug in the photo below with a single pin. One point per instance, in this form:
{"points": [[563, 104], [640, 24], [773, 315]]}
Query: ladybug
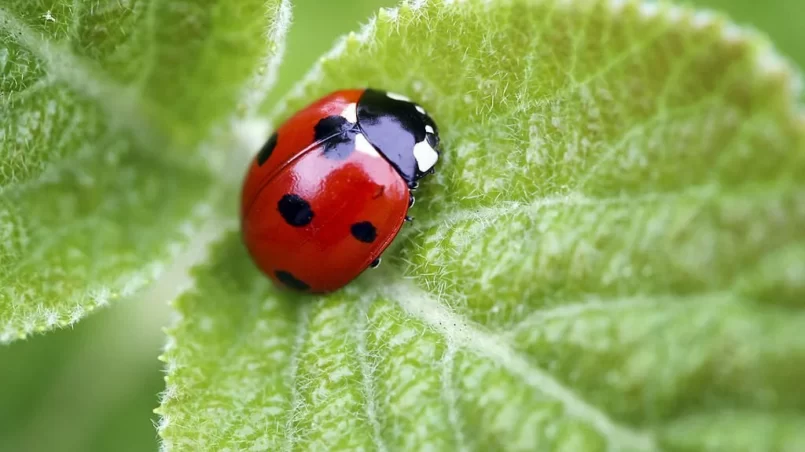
{"points": [[331, 188]]}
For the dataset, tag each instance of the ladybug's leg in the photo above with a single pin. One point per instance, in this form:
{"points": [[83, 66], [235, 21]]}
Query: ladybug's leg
{"points": [[411, 201], [375, 263]]}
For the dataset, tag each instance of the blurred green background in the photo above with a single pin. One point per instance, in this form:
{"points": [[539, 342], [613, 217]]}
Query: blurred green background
{"points": [[94, 387]]}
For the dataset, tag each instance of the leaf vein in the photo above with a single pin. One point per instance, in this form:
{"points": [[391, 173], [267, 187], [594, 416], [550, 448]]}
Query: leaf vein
{"points": [[489, 214], [466, 334], [367, 376], [80, 76], [451, 398], [75, 25], [293, 375], [600, 305]]}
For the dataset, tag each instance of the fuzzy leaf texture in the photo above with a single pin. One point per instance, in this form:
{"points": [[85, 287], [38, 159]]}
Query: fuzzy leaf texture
{"points": [[611, 255], [106, 110]]}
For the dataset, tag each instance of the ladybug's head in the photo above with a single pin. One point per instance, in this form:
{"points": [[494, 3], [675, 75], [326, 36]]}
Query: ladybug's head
{"points": [[402, 132]]}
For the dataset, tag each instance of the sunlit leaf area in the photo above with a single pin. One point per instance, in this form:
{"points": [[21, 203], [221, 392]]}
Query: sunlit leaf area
{"points": [[609, 257]]}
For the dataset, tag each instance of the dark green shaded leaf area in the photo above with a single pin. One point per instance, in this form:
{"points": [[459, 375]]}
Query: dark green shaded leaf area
{"points": [[111, 118]]}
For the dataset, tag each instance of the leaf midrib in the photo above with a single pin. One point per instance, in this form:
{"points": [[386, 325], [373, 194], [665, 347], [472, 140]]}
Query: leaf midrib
{"points": [[123, 104], [465, 334], [80, 75]]}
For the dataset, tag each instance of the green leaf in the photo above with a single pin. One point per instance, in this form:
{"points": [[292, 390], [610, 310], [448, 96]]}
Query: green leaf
{"points": [[109, 113], [88, 388], [610, 256]]}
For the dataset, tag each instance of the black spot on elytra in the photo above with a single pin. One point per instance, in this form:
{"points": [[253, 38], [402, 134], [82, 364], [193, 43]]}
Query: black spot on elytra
{"points": [[364, 231], [337, 136], [332, 125], [291, 280], [295, 210], [267, 149]]}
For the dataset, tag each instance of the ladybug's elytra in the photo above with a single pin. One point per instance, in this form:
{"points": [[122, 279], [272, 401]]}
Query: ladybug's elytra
{"points": [[331, 188]]}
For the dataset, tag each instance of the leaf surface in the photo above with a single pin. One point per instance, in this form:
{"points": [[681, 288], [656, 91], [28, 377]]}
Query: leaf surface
{"points": [[108, 115], [610, 256]]}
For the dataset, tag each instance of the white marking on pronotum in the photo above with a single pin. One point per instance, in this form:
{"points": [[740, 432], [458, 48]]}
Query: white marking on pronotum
{"points": [[362, 145], [421, 110], [425, 156], [429, 129], [351, 113], [399, 97]]}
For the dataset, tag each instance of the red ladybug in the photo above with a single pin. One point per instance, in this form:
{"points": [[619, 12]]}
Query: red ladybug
{"points": [[331, 188]]}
